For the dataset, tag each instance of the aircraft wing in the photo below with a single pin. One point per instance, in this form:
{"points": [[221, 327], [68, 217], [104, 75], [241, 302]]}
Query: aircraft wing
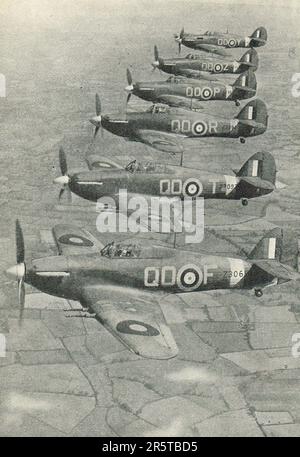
{"points": [[278, 270], [97, 162], [180, 102], [72, 240], [166, 142], [197, 74], [213, 49], [138, 323]]}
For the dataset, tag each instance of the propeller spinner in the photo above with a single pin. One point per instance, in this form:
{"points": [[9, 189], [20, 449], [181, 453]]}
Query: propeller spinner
{"points": [[18, 271]]}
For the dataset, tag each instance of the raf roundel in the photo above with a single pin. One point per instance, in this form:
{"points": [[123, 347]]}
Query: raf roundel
{"points": [[218, 67], [192, 188], [133, 327], [200, 128], [189, 278], [232, 43], [207, 93], [75, 240]]}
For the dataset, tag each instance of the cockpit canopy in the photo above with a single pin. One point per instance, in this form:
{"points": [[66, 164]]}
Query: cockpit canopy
{"points": [[209, 33], [121, 250], [192, 56], [147, 167], [155, 109], [174, 79]]}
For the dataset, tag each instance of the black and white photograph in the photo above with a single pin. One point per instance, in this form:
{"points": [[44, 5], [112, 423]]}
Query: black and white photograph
{"points": [[150, 219]]}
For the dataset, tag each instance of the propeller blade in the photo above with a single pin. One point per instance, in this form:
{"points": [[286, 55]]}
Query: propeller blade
{"points": [[69, 193], [182, 33], [156, 57], [179, 47], [61, 192], [129, 77], [21, 296], [96, 130], [98, 105], [19, 243], [128, 98], [63, 162]]}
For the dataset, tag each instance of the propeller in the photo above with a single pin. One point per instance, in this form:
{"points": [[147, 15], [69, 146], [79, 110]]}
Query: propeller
{"points": [[156, 62], [179, 39], [96, 121], [18, 271], [64, 179], [130, 87]]}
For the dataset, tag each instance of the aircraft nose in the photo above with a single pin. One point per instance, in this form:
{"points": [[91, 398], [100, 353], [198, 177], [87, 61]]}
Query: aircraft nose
{"points": [[129, 88], [62, 180], [96, 121], [16, 271]]}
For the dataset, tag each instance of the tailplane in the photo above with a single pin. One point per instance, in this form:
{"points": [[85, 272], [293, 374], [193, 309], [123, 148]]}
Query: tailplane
{"points": [[260, 165], [255, 112], [269, 247], [249, 60], [245, 83], [259, 37]]}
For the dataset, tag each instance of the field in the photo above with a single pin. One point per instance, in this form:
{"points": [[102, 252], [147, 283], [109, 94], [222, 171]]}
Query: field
{"points": [[235, 374]]}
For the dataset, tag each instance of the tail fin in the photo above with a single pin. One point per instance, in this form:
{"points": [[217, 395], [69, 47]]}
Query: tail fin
{"points": [[249, 60], [260, 165], [259, 37], [269, 247], [246, 82], [256, 111]]}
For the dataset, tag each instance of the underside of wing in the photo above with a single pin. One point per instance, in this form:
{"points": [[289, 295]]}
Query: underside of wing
{"points": [[72, 240], [138, 324], [166, 142], [196, 74], [180, 102], [97, 162], [213, 49]]}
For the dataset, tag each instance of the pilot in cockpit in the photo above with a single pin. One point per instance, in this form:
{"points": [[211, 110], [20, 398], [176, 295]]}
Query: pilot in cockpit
{"points": [[132, 166]]}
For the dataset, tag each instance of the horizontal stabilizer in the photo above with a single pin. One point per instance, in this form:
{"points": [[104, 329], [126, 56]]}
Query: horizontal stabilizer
{"points": [[278, 270]]}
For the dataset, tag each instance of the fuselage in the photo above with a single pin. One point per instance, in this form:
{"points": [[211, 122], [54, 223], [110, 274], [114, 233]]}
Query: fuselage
{"points": [[177, 121], [195, 41], [200, 63], [188, 88], [160, 180], [160, 270]]}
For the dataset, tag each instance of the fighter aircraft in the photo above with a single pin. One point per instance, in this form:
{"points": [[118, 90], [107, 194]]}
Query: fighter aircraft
{"points": [[215, 41], [257, 177], [197, 65], [189, 93], [122, 285], [161, 126]]}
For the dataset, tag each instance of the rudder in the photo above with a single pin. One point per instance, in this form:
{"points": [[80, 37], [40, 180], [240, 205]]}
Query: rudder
{"points": [[269, 247], [249, 60], [256, 110], [260, 165], [259, 37]]}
